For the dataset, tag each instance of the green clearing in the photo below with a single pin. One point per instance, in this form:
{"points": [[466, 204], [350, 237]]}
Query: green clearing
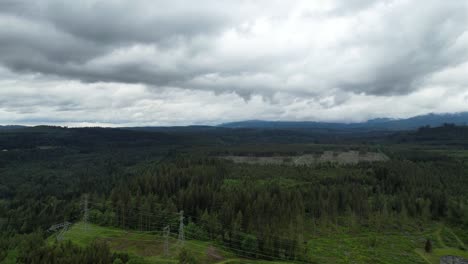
{"points": [[370, 248], [448, 243], [365, 247], [148, 247]]}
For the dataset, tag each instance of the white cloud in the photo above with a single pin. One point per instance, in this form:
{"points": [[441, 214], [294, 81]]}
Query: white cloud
{"points": [[170, 62], [72, 103]]}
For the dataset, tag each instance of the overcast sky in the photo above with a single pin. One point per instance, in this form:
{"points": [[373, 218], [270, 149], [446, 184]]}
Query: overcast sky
{"points": [[174, 62]]}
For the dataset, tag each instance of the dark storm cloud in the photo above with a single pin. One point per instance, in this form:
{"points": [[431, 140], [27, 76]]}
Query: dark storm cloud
{"points": [[121, 22], [359, 46], [55, 38]]}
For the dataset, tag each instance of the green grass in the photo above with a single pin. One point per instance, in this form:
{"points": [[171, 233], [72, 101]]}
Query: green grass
{"points": [[339, 247], [149, 247], [11, 257], [398, 247], [450, 251], [449, 238], [365, 248], [428, 258], [462, 234], [445, 242], [434, 257]]}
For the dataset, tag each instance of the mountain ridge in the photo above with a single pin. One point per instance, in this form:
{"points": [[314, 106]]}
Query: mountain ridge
{"points": [[410, 123]]}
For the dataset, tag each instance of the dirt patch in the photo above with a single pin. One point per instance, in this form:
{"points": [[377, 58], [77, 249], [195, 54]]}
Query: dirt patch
{"points": [[345, 157], [143, 248], [213, 255]]}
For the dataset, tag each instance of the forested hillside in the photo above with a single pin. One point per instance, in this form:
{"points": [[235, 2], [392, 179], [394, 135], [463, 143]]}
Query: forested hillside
{"points": [[139, 182]]}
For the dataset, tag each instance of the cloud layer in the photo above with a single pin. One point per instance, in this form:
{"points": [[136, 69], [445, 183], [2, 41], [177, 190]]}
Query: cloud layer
{"points": [[173, 62]]}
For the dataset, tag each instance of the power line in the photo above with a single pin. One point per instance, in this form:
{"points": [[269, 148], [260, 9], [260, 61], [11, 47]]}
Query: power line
{"points": [[243, 233], [181, 229], [286, 241], [229, 248], [283, 240], [166, 233], [85, 212], [239, 252], [61, 227], [224, 226]]}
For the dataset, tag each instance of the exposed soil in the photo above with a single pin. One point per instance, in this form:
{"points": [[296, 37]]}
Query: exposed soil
{"points": [[348, 157]]}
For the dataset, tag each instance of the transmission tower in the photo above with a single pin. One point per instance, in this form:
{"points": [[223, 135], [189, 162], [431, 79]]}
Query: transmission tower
{"points": [[85, 212], [181, 228], [166, 233], [63, 227]]}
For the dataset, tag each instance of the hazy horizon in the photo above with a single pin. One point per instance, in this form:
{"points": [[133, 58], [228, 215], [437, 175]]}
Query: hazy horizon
{"points": [[110, 125]]}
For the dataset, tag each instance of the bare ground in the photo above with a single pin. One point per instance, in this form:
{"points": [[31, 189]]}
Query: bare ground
{"points": [[348, 157]]}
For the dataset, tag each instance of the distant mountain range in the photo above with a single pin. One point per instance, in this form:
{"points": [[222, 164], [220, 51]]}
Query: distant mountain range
{"points": [[378, 124], [10, 127], [412, 123]]}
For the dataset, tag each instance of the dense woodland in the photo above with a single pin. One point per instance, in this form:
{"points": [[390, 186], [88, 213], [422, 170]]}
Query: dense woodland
{"points": [[141, 179]]}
